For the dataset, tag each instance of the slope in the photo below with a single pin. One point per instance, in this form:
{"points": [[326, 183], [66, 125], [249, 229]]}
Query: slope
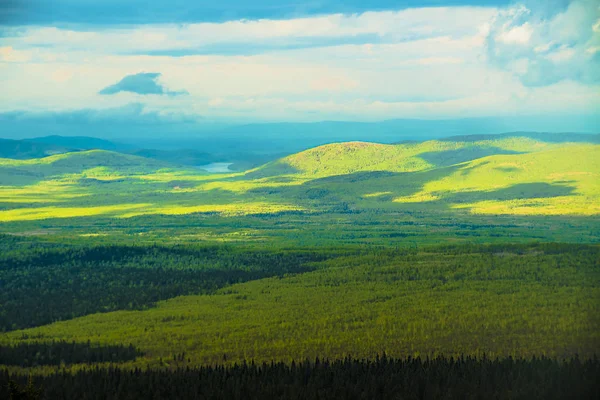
{"points": [[434, 179], [96, 163], [352, 157], [505, 176]]}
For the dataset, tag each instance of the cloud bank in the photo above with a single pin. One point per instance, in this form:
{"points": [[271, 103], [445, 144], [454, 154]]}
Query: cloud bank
{"points": [[536, 58], [544, 42]]}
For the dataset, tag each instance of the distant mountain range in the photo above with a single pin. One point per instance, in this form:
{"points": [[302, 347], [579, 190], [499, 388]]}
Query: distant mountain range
{"points": [[51, 145]]}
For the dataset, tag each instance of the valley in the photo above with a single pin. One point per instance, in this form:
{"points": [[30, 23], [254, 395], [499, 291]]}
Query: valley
{"points": [[475, 246]]}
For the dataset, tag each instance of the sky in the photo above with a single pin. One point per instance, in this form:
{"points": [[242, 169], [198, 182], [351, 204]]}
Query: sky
{"points": [[307, 60]]}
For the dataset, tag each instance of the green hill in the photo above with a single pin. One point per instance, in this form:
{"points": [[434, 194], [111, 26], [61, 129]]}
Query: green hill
{"points": [[351, 157], [561, 180], [506, 175], [95, 163], [497, 176]]}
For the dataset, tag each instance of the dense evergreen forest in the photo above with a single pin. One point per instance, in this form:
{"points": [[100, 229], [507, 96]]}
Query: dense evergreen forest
{"points": [[41, 285], [185, 320], [381, 378], [61, 353]]}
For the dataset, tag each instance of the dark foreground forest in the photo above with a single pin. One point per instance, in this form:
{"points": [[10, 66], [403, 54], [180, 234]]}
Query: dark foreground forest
{"points": [[101, 320], [382, 378]]}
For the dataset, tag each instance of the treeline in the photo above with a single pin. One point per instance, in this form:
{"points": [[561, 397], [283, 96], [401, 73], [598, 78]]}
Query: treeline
{"points": [[58, 353], [40, 285], [383, 378]]}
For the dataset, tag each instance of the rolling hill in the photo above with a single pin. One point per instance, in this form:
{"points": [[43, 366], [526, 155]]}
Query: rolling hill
{"points": [[92, 162], [506, 175], [352, 157], [181, 153]]}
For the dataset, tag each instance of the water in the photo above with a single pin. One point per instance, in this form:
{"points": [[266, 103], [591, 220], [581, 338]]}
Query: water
{"points": [[216, 168]]}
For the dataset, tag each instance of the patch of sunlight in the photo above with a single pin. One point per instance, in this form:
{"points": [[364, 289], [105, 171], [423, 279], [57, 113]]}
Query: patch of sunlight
{"points": [[93, 234], [18, 200], [31, 214], [421, 197], [376, 194], [245, 186], [564, 175], [42, 192], [188, 175], [101, 173], [564, 205], [243, 236], [223, 209]]}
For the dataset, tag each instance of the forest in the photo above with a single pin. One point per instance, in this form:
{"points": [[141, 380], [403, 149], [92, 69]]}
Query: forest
{"points": [[441, 269], [353, 379], [41, 286]]}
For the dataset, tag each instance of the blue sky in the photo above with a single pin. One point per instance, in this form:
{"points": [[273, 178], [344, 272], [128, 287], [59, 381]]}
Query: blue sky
{"points": [[110, 12], [268, 60]]}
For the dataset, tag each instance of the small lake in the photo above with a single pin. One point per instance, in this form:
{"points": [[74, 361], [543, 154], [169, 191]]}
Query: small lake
{"points": [[216, 168]]}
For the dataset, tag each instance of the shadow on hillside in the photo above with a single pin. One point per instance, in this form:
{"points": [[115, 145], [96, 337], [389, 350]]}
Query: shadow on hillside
{"points": [[271, 169], [10, 176], [384, 186], [333, 189], [521, 191], [356, 177], [451, 157], [28, 355]]}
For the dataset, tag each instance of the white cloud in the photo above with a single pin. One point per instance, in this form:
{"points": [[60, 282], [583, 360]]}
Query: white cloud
{"points": [[592, 50], [518, 34], [543, 48], [555, 41], [561, 55], [8, 54], [420, 63], [399, 25]]}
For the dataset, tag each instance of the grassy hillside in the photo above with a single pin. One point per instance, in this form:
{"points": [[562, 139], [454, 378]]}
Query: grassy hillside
{"points": [[91, 163], [431, 181], [351, 157], [558, 180], [511, 175]]}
